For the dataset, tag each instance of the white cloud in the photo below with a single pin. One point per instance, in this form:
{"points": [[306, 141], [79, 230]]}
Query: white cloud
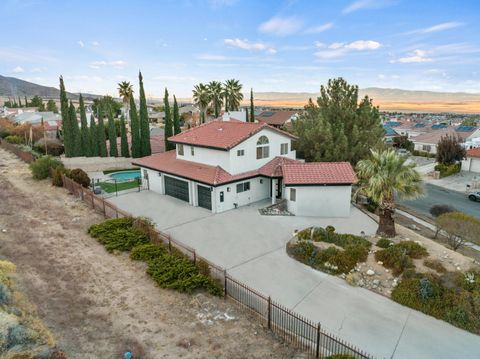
{"points": [[281, 26], [221, 3], [80, 43], [247, 45], [211, 57], [438, 27], [319, 44], [320, 28], [337, 49], [95, 43], [118, 64], [417, 56], [367, 4], [18, 70]]}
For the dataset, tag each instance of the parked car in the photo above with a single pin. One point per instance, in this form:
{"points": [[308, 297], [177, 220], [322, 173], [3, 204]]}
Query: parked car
{"points": [[403, 152], [474, 196]]}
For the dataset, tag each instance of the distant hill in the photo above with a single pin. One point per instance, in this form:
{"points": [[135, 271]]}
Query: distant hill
{"points": [[11, 86]]}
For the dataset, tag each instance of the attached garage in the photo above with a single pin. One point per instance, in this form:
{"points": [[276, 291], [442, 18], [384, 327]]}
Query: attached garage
{"points": [[204, 197], [177, 188]]}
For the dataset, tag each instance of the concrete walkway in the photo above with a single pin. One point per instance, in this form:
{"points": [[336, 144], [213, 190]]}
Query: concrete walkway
{"points": [[252, 248]]}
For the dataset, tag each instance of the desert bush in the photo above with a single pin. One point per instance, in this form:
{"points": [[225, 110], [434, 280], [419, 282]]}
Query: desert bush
{"points": [[413, 249], [340, 239], [384, 243], [304, 234], [15, 140], [203, 267], [448, 170], [423, 154], [459, 227], [439, 209], [5, 294], [54, 147], [123, 239], [20, 335], [80, 176], [434, 264], [399, 256], [57, 176], [40, 168], [110, 225], [146, 252]]}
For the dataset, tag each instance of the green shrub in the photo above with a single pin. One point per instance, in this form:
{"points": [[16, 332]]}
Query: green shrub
{"points": [[340, 356], [5, 294], [54, 147], [110, 225], [413, 249], [40, 167], [21, 335], [147, 252], [203, 267], [16, 140], [384, 243], [304, 234], [80, 176], [398, 257], [123, 239], [448, 170], [434, 264], [423, 154], [339, 239], [57, 176]]}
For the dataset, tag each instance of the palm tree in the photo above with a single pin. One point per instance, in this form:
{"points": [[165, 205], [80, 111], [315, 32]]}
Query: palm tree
{"points": [[215, 90], [202, 98], [384, 176], [125, 90], [232, 92]]}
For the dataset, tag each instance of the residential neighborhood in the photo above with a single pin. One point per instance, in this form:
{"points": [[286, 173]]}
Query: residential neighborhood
{"points": [[247, 180]]}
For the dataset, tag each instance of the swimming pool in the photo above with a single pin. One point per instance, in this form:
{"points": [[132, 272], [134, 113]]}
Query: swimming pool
{"points": [[125, 175]]}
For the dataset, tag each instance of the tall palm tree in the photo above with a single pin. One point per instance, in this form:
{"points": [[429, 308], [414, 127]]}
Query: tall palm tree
{"points": [[384, 176], [232, 92], [125, 90], [215, 89], [202, 98]]}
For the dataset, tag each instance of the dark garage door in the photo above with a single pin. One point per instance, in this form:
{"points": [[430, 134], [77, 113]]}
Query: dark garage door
{"points": [[176, 188], [204, 197]]}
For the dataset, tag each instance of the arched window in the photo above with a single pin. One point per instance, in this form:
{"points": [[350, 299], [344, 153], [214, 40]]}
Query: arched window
{"points": [[263, 150]]}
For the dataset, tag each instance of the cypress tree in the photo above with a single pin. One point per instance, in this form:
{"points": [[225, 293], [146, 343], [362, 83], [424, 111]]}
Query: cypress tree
{"points": [[176, 117], [145, 148], [252, 108], [76, 138], [247, 116], [123, 137], [84, 133], [168, 122], [66, 128], [94, 149], [102, 145], [19, 102], [112, 134], [135, 130], [26, 101]]}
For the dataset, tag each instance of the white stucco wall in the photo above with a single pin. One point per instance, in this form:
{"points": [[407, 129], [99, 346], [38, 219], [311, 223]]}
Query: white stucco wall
{"points": [[419, 147], [471, 164], [257, 192], [321, 201], [206, 156], [155, 182]]}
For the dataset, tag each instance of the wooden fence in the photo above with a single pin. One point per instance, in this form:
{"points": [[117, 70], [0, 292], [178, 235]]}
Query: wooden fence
{"points": [[23, 155], [292, 327]]}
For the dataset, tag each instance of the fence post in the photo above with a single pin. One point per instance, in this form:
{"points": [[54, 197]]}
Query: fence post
{"points": [[317, 352], [225, 283], [269, 313], [169, 245], [194, 257], [93, 200], [104, 211]]}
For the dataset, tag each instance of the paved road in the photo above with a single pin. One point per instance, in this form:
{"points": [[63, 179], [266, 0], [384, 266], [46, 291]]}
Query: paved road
{"points": [[439, 195], [252, 248]]}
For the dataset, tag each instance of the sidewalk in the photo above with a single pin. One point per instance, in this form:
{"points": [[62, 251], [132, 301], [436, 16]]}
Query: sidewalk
{"points": [[457, 182]]}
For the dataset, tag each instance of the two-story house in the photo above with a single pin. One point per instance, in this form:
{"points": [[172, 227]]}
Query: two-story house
{"points": [[222, 165]]}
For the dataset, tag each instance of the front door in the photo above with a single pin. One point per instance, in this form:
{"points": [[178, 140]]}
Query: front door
{"points": [[278, 189]]}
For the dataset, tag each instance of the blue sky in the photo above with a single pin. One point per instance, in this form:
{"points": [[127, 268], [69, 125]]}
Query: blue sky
{"points": [[268, 45]]}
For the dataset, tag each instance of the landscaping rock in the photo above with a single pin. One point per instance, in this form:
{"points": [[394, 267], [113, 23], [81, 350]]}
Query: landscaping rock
{"points": [[380, 262], [376, 282], [370, 272]]}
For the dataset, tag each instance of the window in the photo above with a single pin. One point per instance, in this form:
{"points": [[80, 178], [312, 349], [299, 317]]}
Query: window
{"points": [[242, 187], [293, 194], [284, 148], [180, 149], [192, 150], [240, 153], [263, 150], [222, 196], [426, 148]]}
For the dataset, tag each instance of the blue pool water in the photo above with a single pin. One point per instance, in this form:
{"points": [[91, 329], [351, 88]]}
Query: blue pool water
{"points": [[125, 176]]}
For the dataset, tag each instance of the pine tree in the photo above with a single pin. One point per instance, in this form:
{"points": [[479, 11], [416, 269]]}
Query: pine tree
{"points": [[145, 147], [76, 138], [94, 149], [135, 130], [252, 108], [112, 135], [66, 128], [84, 132], [176, 117], [123, 137], [168, 122], [102, 145]]}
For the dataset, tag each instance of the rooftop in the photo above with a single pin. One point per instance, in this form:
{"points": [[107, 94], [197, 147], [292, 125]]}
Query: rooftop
{"points": [[434, 136], [474, 152], [319, 173], [275, 118]]}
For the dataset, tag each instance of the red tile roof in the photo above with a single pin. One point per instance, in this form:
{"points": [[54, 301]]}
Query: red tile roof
{"points": [[319, 173], [474, 152], [221, 134], [157, 143], [275, 118]]}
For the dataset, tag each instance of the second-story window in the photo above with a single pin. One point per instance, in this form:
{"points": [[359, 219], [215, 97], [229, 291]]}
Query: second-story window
{"points": [[192, 150], [284, 148], [180, 149], [240, 153], [263, 149]]}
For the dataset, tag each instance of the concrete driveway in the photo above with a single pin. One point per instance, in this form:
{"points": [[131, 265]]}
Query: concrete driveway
{"points": [[252, 248]]}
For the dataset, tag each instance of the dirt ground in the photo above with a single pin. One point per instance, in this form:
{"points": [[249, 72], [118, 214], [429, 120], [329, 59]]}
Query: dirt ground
{"points": [[98, 305]]}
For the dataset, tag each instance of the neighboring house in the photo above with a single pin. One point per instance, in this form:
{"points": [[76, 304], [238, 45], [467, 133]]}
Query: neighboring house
{"points": [[277, 118], [156, 117], [390, 134], [35, 118], [412, 129], [157, 144], [428, 141], [472, 162], [51, 127], [222, 165]]}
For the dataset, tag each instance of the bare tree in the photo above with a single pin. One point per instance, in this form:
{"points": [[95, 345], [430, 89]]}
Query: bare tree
{"points": [[459, 228]]}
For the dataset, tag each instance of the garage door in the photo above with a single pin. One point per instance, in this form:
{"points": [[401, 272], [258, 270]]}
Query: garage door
{"points": [[475, 165], [204, 197], [176, 188]]}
